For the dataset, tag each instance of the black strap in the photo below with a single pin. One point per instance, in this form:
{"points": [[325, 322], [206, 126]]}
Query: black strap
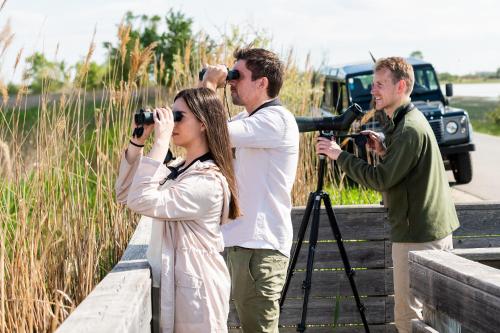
{"points": [[402, 113], [176, 171], [273, 102]]}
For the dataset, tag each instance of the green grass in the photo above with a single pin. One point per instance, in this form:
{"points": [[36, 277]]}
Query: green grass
{"points": [[353, 195], [480, 111]]}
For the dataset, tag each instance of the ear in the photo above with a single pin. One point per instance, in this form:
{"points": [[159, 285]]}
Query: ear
{"points": [[264, 82], [402, 87]]}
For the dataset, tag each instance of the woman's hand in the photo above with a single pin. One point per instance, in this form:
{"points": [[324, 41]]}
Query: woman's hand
{"points": [[148, 129], [135, 147], [375, 142], [328, 147], [164, 126]]}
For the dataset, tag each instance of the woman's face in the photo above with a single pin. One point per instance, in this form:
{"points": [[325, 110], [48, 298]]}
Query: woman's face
{"points": [[189, 130]]}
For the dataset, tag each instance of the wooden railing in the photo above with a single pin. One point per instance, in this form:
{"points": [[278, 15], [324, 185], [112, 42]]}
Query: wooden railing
{"points": [[460, 290], [122, 301]]}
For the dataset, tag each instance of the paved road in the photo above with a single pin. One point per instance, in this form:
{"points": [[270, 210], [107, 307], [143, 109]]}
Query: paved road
{"points": [[485, 184]]}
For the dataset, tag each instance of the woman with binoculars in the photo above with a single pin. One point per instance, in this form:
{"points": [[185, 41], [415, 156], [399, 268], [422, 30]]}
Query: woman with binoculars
{"points": [[187, 201]]}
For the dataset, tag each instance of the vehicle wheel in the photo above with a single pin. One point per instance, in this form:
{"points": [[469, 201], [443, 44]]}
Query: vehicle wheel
{"points": [[461, 165]]}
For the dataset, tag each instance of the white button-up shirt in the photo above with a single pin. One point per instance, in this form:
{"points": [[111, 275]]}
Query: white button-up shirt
{"points": [[267, 151]]}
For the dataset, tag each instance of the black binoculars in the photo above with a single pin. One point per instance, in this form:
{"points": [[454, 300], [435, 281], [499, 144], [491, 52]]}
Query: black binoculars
{"points": [[231, 74], [146, 117]]}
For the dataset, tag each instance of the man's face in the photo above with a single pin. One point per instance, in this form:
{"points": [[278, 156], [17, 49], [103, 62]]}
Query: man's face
{"points": [[384, 91], [244, 91]]}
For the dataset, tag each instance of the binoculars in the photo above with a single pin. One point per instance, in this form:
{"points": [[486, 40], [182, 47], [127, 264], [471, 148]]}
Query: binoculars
{"points": [[231, 74], [146, 117]]}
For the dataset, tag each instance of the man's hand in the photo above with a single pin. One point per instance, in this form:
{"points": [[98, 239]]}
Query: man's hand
{"points": [[215, 77], [375, 142], [328, 147]]}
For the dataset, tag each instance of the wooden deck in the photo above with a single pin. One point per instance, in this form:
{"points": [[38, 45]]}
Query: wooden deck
{"points": [[366, 238]]}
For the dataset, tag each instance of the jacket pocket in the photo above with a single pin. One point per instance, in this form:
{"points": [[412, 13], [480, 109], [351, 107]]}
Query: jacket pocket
{"points": [[190, 299]]}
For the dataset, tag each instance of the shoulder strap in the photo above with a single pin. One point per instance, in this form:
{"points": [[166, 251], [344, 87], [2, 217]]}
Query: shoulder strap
{"points": [[402, 113], [176, 171], [273, 102]]}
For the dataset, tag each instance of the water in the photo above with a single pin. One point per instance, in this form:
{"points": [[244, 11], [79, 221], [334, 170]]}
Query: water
{"points": [[491, 90]]}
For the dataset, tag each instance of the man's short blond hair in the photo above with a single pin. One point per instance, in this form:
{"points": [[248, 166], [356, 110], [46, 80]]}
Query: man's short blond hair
{"points": [[400, 70]]}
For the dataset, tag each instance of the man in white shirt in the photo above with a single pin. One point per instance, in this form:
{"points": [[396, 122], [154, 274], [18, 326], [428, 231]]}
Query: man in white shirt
{"points": [[266, 139]]}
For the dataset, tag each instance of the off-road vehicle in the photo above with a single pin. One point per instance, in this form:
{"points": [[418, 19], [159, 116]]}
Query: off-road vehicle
{"points": [[348, 84]]}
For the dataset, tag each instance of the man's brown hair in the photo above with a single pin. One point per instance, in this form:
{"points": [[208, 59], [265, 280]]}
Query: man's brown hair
{"points": [[263, 63], [400, 70]]}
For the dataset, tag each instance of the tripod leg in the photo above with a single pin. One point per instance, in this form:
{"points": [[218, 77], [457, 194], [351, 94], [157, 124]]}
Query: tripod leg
{"points": [[296, 250], [313, 239], [347, 266]]}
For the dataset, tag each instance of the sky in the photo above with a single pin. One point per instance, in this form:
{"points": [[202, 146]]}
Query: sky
{"points": [[459, 36]]}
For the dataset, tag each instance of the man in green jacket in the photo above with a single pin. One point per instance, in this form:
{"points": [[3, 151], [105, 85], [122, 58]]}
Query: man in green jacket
{"points": [[412, 175]]}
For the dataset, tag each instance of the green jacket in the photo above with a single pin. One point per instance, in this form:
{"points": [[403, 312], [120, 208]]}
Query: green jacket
{"points": [[412, 174]]}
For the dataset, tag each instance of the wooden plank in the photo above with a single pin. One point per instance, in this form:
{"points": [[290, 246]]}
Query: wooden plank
{"points": [[459, 242], [479, 254], [480, 219], [360, 254], [489, 256], [321, 311], [440, 321], [370, 282], [491, 206], [459, 288], [387, 328], [388, 254], [369, 222], [389, 309], [354, 223], [475, 242], [468, 272], [418, 326]]}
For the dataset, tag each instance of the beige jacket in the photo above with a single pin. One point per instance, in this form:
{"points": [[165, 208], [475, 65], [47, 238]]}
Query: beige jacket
{"points": [[186, 240]]}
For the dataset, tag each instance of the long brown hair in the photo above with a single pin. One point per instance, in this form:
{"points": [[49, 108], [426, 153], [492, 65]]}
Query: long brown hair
{"points": [[208, 109]]}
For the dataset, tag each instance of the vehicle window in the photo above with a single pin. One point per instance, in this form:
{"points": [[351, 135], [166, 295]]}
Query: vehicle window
{"points": [[425, 80], [328, 95], [360, 86], [333, 98]]}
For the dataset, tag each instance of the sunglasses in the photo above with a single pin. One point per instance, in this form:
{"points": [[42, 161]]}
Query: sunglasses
{"points": [[177, 116]]}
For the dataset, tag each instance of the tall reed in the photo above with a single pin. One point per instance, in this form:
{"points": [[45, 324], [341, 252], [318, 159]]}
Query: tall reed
{"points": [[61, 229]]}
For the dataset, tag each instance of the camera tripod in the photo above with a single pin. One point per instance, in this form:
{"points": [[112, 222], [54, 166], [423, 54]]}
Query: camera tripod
{"points": [[313, 206]]}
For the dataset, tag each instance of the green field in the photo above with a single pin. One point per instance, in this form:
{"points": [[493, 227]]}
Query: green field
{"points": [[481, 112]]}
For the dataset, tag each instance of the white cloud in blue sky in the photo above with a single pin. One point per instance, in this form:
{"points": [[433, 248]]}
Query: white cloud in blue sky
{"points": [[460, 36]]}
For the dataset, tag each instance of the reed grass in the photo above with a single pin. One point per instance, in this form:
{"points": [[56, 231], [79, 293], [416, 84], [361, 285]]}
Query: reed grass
{"points": [[61, 229]]}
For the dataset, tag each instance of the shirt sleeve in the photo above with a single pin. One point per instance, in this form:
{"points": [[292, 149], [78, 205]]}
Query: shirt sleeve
{"points": [[264, 129], [190, 198], [401, 156], [124, 180]]}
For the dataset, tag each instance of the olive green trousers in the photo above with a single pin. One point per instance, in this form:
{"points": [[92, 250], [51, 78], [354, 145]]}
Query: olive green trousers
{"points": [[257, 278]]}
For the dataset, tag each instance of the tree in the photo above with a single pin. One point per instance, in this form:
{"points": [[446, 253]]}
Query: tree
{"points": [[144, 31], [498, 72], [93, 75], [45, 75], [417, 54]]}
